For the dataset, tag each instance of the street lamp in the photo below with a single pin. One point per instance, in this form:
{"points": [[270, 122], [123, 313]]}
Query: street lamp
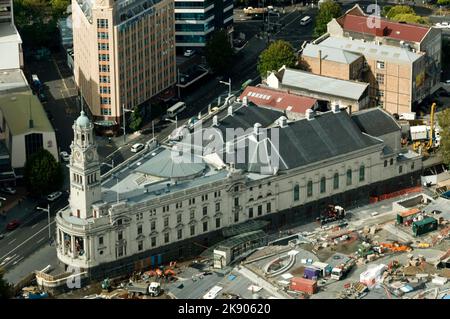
{"points": [[229, 85], [48, 212], [124, 123]]}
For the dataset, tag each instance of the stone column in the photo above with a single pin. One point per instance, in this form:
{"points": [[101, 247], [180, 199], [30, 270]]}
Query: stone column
{"points": [[86, 247], [72, 245]]}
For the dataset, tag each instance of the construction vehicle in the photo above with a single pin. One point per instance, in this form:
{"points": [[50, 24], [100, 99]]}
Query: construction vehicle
{"points": [[395, 247], [424, 226], [365, 249], [331, 214], [154, 289], [425, 139], [340, 271]]}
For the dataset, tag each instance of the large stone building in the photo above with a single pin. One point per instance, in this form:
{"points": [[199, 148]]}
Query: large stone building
{"points": [[402, 61], [124, 53], [171, 203]]}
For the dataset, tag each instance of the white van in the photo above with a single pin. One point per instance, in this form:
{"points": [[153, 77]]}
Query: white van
{"points": [[305, 20], [137, 147]]}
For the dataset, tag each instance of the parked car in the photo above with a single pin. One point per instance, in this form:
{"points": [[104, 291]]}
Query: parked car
{"points": [[42, 97], [65, 156], [189, 53], [54, 196], [137, 147], [8, 190], [13, 224]]}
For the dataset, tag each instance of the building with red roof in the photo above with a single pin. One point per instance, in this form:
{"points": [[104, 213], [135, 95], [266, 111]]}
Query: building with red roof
{"points": [[294, 105], [404, 59]]}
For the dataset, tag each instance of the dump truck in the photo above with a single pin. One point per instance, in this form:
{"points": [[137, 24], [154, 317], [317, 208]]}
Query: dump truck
{"points": [[340, 271], [331, 214]]}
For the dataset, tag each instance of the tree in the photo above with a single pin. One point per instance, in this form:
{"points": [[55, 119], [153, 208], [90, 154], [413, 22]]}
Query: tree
{"points": [[59, 7], [444, 124], [410, 18], [5, 287], [328, 10], [219, 53], [136, 118], [395, 10], [279, 53], [303, 65], [43, 174], [443, 2], [385, 10]]}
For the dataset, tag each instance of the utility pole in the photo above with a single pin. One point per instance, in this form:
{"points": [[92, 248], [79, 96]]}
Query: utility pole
{"points": [[124, 122], [48, 217], [229, 85]]}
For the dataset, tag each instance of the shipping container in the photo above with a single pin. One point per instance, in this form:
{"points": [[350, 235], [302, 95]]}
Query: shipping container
{"points": [[407, 215], [311, 273], [304, 285], [424, 226]]}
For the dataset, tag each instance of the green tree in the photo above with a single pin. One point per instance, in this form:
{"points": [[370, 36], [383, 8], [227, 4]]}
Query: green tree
{"points": [[136, 118], [328, 10], [43, 174], [279, 53], [59, 7], [5, 287], [410, 18], [443, 2], [219, 53], [395, 10], [385, 10], [444, 124]]}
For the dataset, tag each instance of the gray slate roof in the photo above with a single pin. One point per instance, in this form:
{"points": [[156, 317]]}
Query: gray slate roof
{"points": [[375, 122], [296, 79], [330, 54]]}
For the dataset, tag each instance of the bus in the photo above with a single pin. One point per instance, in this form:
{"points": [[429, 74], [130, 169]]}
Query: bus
{"points": [[175, 109], [305, 20]]}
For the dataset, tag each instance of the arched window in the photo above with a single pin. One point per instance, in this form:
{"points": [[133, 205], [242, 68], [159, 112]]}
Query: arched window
{"points": [[349, 177], [296, 193], [336, 181], [309, 189], [385, 163], [362, 173], [323, 184], [269, 194]]}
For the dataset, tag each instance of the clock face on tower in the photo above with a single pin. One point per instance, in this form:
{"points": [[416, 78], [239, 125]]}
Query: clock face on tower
{"points": [[77, 156], [90, 155]]}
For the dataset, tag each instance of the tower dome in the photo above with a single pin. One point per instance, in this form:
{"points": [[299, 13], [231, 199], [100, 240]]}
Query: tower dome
{"points": [[83, 120]]}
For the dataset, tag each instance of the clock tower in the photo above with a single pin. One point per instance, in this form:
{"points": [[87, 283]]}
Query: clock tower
{"points": [[85, 186]]}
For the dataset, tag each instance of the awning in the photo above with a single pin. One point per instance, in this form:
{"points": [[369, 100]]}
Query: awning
{"points": [[105, 123]]}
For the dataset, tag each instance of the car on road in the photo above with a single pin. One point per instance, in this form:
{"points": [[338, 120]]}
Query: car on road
{"points": [[13, 224], [189, 53], [305, 20], [65, 156], [137, 147], [54, 196], [8, 190], [42, 97]]}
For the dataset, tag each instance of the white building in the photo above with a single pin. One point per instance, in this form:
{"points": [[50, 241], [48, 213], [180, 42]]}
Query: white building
{"points": [[10, 41], [170, 204]]}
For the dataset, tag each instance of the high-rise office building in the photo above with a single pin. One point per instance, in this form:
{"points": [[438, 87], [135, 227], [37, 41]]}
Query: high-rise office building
{"points": [[124, 53], [195, 20]]}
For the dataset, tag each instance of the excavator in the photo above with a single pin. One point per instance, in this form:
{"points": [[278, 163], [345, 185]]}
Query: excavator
{"points": [[426, 146]]}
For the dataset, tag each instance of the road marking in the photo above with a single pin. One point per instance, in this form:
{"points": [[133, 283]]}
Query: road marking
{"points": [[7, 259], [59, 73], [24, 242], [34, 226], [40, 240], [9, 234], [18, 260], [12, 241]]}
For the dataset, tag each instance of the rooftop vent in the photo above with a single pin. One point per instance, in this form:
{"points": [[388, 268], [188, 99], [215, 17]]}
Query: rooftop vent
{"points": [[282, 121], [257, 128], [230, 110], [335, 107], [245, 101], [309, 114], [215, 120]]}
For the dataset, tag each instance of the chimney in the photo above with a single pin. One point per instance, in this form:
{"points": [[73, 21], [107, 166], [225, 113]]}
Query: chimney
{"points": [[257, 129], [230, 110], [282, 121], [215, 120], [335, 107], [309, 114], [245, 101], [320, 62]]}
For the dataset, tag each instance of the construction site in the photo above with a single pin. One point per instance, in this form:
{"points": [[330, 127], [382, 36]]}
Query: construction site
{"points": [[396, 248]]}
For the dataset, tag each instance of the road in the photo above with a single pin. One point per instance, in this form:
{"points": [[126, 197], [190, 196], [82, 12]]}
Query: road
{"points": [[30, 236]]}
